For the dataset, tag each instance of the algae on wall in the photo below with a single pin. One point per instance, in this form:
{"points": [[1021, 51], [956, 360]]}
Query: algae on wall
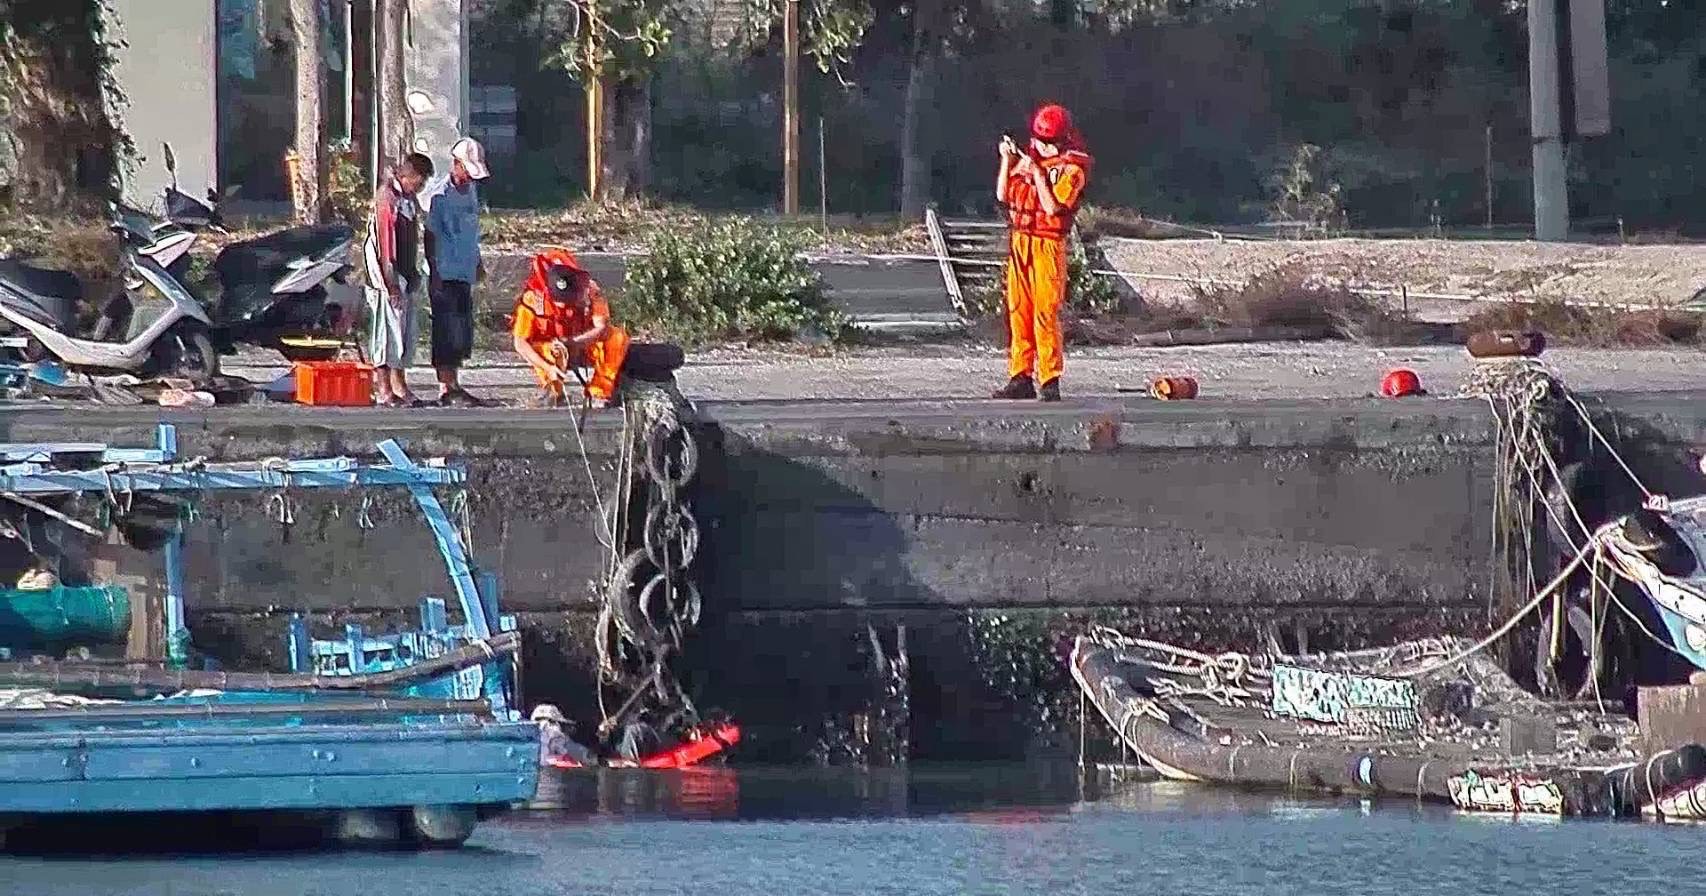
{"points": [[59, 142]]}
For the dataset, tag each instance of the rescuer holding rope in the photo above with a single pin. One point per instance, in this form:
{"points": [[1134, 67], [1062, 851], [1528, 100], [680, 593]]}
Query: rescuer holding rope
{"points": [[562, 319], [1041, 186]]}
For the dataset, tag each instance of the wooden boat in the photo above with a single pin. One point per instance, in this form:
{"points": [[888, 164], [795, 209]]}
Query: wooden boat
{"points": [[380, 738], [1414, 720]]}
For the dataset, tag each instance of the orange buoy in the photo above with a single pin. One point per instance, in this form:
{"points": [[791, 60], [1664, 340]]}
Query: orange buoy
{"points": [[1401, 383], [1173, 388], [1506, 344]]}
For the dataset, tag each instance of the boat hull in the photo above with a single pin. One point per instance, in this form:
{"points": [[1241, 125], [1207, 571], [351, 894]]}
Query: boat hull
{"points": [[242, 768]]}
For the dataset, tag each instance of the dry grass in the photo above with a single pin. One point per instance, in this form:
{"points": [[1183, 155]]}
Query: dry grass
{"points": [[82, 246], [1287, 297], [629, 225], [1099, 221], [1597, 327]]}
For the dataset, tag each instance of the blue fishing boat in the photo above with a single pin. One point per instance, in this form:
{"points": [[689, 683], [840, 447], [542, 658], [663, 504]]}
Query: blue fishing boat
{"points": [[404, 738]]}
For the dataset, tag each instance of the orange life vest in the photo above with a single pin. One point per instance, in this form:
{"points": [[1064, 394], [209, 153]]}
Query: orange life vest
{"points": [[539, 318], [1024, 209]]}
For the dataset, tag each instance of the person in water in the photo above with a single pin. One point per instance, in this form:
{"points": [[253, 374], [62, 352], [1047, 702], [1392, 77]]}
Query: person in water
{"points": [[555, 737]]}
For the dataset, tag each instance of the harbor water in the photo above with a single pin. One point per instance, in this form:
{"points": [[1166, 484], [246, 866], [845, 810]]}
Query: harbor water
{"points": [[933, 830]]}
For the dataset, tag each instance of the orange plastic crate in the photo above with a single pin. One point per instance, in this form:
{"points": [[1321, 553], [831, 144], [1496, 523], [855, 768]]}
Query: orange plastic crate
{"points": [[334, 384]]}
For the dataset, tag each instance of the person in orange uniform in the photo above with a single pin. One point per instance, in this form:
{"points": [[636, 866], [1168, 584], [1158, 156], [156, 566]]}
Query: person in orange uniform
{"points": [[1040, 185], [561, 318]]}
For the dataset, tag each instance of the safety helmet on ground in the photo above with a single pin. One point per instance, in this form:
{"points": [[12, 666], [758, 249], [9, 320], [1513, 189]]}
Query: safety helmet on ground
{"points": [[1052, 123], [1401, 383], [548, 712]]}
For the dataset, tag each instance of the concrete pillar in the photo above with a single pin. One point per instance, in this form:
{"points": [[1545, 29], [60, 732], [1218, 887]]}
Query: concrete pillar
{"points": [[165, 65], [436, 74]]}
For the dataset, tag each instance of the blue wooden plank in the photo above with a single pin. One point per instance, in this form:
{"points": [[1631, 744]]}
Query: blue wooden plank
{"points": [[449, 544], [47, 764], [238, 794], [300, 644], [214, 735], [186, 478], [177, 634], [45, 451], [433, 617], [311, 758]]}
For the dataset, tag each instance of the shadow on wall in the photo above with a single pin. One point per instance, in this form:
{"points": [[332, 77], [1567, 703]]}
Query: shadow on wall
{"points": [[806, 580]]}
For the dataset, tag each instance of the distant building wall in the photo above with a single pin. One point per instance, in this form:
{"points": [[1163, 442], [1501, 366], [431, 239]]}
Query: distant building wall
{"points": [[165, 65]]}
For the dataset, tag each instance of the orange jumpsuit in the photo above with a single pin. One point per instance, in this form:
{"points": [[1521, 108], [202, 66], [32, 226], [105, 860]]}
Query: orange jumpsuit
{"points": [[548, 325], [1036, 265]]}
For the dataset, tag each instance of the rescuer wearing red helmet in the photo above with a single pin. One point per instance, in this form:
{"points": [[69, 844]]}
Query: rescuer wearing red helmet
{"points": [[1040, 185]]}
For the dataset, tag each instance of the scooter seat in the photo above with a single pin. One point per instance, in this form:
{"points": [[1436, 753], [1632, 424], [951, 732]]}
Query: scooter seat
{"points": [[48, 294], [45, 283], [266, 257]]}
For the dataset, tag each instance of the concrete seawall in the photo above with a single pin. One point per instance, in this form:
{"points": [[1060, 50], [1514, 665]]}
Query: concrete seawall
{"points": [[986, 530]]}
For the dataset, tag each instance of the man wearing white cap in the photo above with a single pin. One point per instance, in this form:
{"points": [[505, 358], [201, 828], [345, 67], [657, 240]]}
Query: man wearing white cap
{"points": [[453, 265]]}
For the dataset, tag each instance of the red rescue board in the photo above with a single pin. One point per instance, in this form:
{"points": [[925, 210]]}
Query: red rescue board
{"points": [[695, 751]]}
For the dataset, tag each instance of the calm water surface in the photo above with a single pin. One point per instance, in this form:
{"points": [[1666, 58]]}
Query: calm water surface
{"points": [[1005, 830]]}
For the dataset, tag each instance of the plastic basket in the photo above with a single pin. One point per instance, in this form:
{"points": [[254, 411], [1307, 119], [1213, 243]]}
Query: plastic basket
{"points": [[334, 384]]}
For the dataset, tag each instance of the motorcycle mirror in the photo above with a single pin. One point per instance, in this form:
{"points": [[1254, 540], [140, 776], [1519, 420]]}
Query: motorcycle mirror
{"points": [[171, 163]]}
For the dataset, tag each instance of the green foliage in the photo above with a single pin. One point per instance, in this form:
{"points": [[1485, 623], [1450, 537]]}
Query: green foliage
{"points": [[626, 38], [734, 280], [829, 29], [618, 38], [1087, 292], [1306, 194], [349, 194]]}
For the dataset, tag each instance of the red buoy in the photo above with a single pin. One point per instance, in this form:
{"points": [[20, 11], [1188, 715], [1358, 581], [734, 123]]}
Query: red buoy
{"points": [[1401, 383]]}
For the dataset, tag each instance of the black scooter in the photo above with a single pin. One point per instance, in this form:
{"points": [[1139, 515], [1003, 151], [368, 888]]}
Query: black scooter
{"points": [[286, 291]]}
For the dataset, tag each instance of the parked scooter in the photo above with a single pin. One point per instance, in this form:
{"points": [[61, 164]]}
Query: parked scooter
{"points": [[286, 290], [41, 304]]}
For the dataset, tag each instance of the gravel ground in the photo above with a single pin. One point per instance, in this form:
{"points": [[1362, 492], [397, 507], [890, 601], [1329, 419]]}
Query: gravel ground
{"points": [[1638, 275], [1258, 371]]}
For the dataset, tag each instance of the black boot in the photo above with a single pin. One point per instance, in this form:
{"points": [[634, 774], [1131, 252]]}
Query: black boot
{"points": [[1051, 390], [1017, 387]]}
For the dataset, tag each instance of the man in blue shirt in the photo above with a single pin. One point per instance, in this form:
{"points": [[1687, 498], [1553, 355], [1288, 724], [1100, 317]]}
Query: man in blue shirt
{"points": [[453, 265]]}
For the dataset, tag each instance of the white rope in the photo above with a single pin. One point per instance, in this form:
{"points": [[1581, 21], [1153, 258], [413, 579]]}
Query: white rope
{"points": [[1594, 428], [604, 535], [1511, 623]]}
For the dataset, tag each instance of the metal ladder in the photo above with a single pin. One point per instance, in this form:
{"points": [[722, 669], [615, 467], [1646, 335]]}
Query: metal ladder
{"points": [[971, 254]]}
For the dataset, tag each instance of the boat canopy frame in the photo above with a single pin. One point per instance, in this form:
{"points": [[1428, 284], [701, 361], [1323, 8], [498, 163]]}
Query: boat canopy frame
{"points": [[30, 471]]}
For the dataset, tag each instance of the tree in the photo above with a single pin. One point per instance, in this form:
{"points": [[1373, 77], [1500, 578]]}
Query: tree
{"points": [[312, 165], [613, 47], [920, 79]]}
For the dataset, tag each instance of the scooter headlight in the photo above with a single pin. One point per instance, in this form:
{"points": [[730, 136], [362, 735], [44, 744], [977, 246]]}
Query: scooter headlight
{"points": [[1696, 638]]}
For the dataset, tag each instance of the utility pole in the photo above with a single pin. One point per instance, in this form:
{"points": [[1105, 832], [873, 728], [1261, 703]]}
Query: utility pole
{"points": [[1546, 122], [1569, 91], [595, 104], [791, 107]]}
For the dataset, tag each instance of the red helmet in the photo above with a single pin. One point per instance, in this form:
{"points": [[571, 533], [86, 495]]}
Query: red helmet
{"points": [[1401, 383], [1052, 123]]}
